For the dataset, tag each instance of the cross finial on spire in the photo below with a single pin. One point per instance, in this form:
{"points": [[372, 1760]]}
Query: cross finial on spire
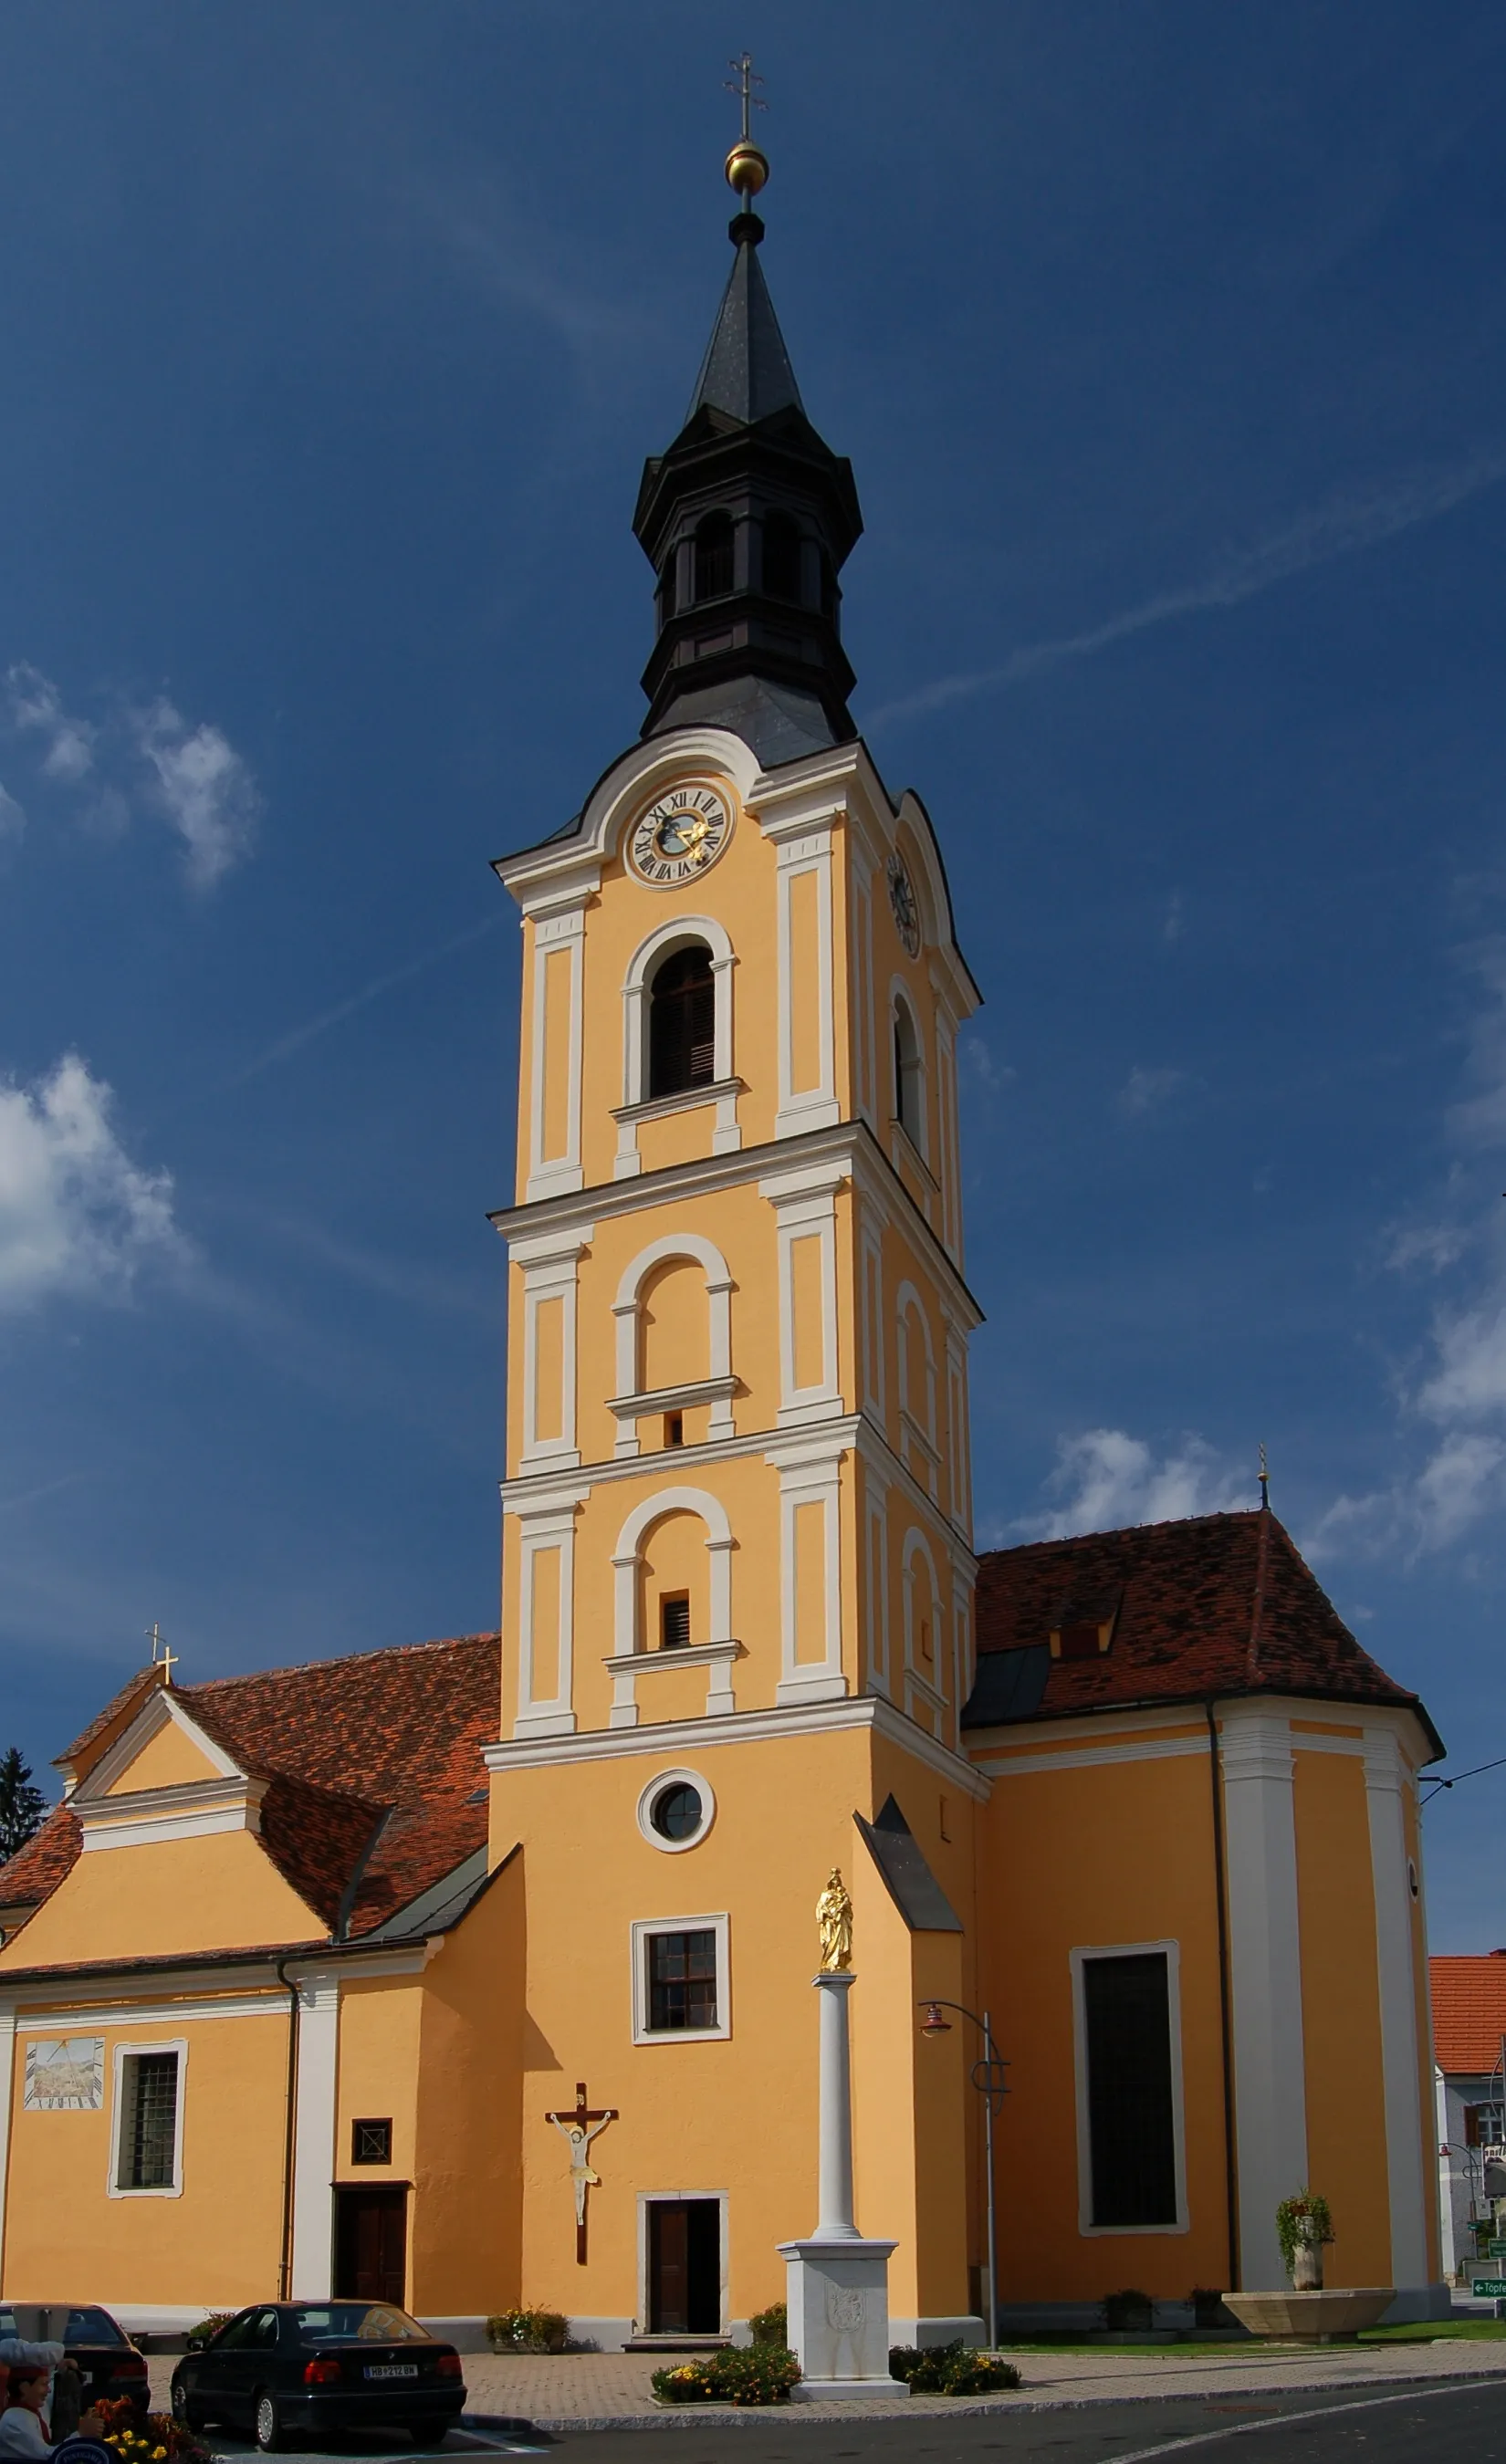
{"points": [[742, 82], [1265, 1479], [160, 1656], [747, 165]]}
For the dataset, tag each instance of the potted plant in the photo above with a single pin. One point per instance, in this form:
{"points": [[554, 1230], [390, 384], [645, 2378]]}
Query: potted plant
{"points": [[1303, 2226]]}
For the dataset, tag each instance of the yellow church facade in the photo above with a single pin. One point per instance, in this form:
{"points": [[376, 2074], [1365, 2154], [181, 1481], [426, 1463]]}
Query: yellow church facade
{"points": [[477, 1973]]}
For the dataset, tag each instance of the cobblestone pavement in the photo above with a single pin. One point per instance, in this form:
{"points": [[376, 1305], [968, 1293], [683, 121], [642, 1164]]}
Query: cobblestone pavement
{"points": [[571, 2390]]}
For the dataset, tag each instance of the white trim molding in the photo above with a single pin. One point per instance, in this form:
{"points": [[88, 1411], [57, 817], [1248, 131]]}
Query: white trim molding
{"points": [[629, 1657], [1171, 1952], [643, 1929], [678, 1776], [546, 1527], [810, 1475], [314, 2165], [7, 2101], [647, 2199], [1265, 1977], [807, 853], [1387, 1783], [191, 1810], [562, 928], [677, 933], [805, 1207], [718, 1388], [114, 2188], [550, 1268]]}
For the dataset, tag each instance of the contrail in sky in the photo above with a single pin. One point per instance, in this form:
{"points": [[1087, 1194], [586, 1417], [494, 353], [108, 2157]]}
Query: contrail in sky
{"points": [[296, 1036], [1337, 529]]}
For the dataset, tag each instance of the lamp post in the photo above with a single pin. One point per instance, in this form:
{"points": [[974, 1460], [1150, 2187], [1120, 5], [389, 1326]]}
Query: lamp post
{"points": [[987, 2077]]}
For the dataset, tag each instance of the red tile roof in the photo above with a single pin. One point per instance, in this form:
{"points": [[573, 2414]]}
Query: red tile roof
{"points": [[373, 1764], [1469, 2011], [1219, 1604]]}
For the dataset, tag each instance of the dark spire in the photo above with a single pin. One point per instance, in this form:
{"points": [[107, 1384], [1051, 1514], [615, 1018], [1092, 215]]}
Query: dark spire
{"points": [[747, 519], [746, 369]]}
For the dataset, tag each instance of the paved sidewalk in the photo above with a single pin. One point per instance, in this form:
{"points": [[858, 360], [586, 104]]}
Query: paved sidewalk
{"points": [[610, 2391]]}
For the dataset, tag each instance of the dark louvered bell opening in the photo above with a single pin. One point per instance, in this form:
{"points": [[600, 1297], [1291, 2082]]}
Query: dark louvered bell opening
{"points": [[682, 1023]]}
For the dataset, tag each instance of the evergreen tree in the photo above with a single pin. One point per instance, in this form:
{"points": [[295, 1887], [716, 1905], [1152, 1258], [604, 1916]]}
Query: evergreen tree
{"points": [[21, 1805]]}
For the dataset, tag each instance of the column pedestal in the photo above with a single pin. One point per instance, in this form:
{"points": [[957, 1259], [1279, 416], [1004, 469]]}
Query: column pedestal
{"points": [[837, 2281]]}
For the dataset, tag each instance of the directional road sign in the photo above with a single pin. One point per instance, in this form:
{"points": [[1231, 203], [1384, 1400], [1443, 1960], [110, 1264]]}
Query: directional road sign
{"points": [[1490, 2288]]}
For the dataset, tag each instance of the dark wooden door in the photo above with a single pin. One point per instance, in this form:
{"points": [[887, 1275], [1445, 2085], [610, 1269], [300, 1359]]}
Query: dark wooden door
{"points": [[684, 2267], [372, 2245]]}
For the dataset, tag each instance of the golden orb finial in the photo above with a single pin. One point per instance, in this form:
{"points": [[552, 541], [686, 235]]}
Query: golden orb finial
{"points": [[746, 167]]}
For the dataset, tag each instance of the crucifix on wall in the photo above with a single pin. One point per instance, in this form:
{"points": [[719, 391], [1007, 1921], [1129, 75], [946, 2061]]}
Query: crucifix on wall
{"points": [[578, 2129]]}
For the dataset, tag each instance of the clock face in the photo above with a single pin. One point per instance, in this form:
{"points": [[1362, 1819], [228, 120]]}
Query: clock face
{"points": [[901, 898], [681, 836]]}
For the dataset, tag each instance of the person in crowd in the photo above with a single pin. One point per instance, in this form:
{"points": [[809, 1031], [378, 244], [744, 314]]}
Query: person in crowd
{"points": [[23, 2431]]}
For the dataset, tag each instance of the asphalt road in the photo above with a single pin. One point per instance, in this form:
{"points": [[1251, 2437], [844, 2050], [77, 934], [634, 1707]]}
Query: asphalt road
{"points": [[1431, 2425]]}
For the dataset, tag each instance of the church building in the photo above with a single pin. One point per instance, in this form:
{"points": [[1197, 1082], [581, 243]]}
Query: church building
{"points": [[477, 1973]]}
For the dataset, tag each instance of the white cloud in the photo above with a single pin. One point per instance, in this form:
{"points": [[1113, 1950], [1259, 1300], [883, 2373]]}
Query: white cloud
{"points": [[203, 787], [76, 1215], [1436, 1246], [12, 819], [1175, 924], [1105, 1479], [993, 1076], [1344, 525], [36, 708], [1148, 1090], [188, 773]]}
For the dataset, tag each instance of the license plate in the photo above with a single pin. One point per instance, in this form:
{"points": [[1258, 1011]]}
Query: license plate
{"points": [[391, 2370]]}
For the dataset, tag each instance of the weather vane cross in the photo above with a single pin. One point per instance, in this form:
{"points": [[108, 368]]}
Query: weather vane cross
{"points": [[742, 84], [160, 1656]]}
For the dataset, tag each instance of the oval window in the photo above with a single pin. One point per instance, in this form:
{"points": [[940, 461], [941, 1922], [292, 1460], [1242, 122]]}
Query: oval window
{"points": [[677, 1812]]}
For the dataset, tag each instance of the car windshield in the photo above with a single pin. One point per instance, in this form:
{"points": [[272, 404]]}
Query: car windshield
{"points": [[366, 2323], [57, 2321]]}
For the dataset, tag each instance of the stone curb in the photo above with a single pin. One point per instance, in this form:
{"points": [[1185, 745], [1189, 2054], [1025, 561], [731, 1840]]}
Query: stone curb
{"points": [[749, 2416]]}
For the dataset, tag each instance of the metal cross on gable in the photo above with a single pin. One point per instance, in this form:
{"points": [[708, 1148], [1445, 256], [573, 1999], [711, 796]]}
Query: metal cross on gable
{"points": [[742, 83], [162, 1657], [577, 2131]]}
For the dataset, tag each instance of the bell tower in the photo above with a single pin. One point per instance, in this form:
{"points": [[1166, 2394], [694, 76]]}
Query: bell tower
{"points": [[736, 1612]]}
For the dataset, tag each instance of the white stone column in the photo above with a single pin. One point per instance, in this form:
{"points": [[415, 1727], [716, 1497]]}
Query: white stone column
{"points": [[1384, 1783], [838, 2281], [834, 2221], [1266, 1976], [314, 2142]]}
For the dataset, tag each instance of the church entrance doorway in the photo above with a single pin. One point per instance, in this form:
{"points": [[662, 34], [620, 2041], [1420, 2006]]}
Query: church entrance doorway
{"points": [[684, 2267], [371, 2244]]}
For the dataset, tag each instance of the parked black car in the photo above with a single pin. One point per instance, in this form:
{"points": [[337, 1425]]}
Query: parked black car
{"points": [[107, 2361], [320, 2366]]}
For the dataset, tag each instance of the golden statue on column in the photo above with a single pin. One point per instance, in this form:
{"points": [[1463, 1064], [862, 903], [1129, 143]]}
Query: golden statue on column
{"points": [[835, 1921]]}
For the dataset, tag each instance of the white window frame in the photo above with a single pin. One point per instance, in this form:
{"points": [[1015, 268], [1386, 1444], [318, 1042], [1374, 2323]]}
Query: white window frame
{"points": [[678, 1779], [644, 1926], [1172, 1951], [125, 2052]]}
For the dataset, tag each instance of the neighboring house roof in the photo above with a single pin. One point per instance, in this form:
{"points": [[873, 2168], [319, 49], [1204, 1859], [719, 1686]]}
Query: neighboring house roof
{"points": [[1469, 2011], [1218, 1605], [376, 1788]]}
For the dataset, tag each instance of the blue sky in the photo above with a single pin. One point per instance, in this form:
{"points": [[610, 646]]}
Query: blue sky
{"points": [[1169, 345]]}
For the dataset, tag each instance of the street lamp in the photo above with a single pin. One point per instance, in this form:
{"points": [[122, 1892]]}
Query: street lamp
{"points": [[987, 2077]]}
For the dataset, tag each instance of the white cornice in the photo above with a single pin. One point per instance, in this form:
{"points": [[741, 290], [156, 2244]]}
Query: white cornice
{"points": [[739, 1728], [161, 1710], [192, 1809], [849, 1144]]}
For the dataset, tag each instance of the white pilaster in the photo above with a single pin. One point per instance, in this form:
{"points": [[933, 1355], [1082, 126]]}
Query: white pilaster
{"points": [[1385, 1782], [314, 2141], [1266, 1977], [6, 2099]]}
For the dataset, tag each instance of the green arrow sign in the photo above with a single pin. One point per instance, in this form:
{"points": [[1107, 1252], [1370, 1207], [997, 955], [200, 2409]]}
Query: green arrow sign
{"points": [[1490, 2288]]}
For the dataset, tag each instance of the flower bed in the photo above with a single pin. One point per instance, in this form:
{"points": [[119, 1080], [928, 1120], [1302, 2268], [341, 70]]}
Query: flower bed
{"points": [[950, 2369], [752, 2374]]}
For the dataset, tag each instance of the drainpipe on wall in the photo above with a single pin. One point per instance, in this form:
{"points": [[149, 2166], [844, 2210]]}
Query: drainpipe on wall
{"points": [[285, 2265], [1225, 2012]]}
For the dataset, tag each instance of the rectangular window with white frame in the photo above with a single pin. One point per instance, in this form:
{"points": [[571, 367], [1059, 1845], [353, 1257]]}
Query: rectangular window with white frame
{"points": [[681, 1984], [146, 2141], [1127, 2033]]}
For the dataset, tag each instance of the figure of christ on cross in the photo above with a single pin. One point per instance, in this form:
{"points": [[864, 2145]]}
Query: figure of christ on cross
{"points": [[576, 2129]]}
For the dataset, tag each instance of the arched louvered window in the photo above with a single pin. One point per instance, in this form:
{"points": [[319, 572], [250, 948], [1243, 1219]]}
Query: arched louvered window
{"points": [[714, 556], [683, 1022], [909, 1087], [782, 556]]}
